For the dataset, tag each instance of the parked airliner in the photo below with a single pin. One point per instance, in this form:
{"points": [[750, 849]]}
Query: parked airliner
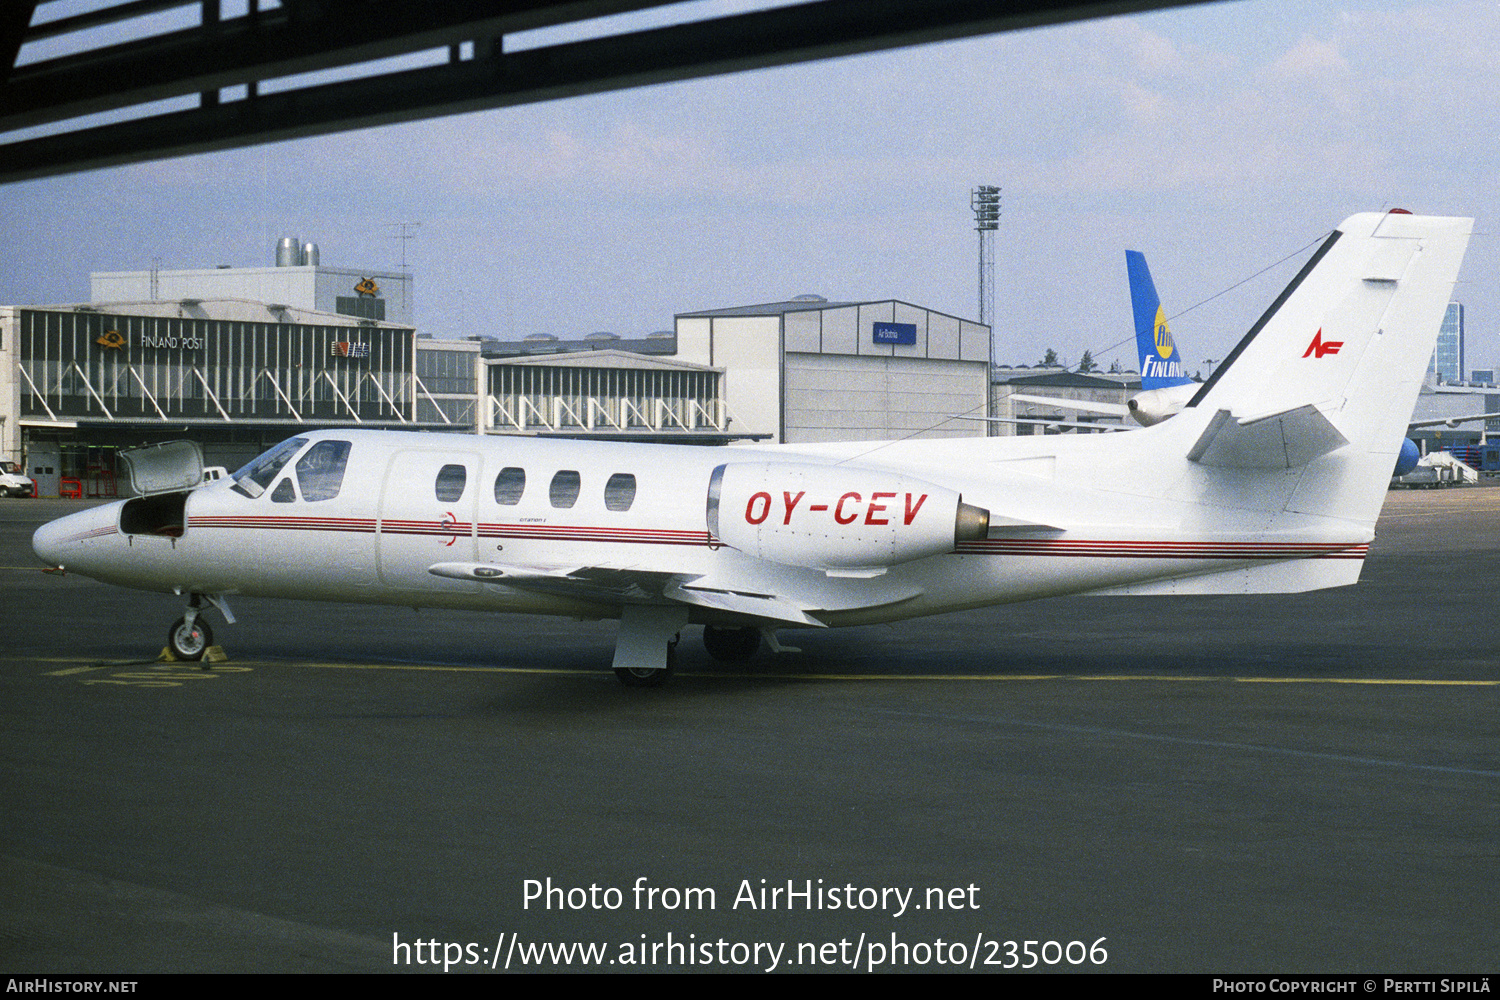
{"points": [[1165, 389], [1269, 480]]}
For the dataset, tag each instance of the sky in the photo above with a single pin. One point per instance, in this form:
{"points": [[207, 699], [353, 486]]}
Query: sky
{"points": [[1218, 139]]}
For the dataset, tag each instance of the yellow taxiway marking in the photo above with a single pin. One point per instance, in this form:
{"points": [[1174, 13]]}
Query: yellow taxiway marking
{"points": [[992, 678], [246, 666]]}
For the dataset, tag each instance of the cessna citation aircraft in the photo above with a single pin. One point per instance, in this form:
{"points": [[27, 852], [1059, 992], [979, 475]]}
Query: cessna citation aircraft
{"points": [[1269, 480]]}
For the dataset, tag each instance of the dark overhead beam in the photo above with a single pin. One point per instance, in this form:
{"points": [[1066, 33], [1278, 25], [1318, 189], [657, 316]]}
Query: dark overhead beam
{"points": [[14, 17], [808, 31], [298, 37]]}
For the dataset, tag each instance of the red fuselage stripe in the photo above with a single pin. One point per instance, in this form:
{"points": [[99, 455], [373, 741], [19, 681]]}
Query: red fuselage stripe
{"points": [[1107, 549]]}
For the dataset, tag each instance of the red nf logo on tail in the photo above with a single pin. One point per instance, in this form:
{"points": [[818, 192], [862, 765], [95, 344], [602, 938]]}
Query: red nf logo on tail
{"points": [[1319, 347]]}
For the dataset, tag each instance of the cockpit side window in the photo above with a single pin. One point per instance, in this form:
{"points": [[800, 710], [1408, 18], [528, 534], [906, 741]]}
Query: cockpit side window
{"points": [[320, 472], [450, 483], [253, 478], [283, 493]]}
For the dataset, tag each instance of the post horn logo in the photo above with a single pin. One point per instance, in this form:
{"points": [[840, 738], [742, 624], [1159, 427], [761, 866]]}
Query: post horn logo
{"points": [[112, 339], [367, 286]]}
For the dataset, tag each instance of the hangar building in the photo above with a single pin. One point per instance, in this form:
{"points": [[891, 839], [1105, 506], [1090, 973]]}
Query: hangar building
{"points": [[812, 370]]}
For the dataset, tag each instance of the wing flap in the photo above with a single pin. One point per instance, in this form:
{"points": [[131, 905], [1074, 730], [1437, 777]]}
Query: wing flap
{"points": [[615, 584], [744, 603]]}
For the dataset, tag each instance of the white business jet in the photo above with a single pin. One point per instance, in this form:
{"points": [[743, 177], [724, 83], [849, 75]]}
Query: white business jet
{"points": [[1269, 480]]}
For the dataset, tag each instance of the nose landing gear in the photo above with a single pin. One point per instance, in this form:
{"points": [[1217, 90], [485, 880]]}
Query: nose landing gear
{"points": [[189, 639], [190, 636]]}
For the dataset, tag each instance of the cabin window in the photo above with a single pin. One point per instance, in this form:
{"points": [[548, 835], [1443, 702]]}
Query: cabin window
{"points": [[450, 482], [619, 492], [509, 486], [253, 478], [283, 493], [320, 472], [564, 491]]}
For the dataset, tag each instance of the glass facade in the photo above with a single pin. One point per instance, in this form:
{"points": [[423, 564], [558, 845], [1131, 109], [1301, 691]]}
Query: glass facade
{"points": [[1448, 359], [529, 397], [100, 366]]}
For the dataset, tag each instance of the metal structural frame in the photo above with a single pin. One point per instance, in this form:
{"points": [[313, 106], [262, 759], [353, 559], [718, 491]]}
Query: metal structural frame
{"points": [[233, 80]]}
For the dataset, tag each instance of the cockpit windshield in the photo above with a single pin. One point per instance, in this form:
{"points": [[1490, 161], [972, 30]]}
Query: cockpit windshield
{"points": [[320, 472], [254, 477]]}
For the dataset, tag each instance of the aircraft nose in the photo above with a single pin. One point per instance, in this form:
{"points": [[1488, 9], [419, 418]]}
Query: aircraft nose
{"points": [[47, 542], [58, 543]]}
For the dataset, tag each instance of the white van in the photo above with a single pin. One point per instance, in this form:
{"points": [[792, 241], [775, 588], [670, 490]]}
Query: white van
{"points": [[13, 483]]}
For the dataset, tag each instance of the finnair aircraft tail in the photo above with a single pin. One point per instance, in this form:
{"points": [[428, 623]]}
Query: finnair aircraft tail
{"points": [[1161, 365]]}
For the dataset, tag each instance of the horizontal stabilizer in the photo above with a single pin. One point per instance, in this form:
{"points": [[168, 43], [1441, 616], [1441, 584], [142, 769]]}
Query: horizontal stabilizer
{"points": [[1286, 440]]}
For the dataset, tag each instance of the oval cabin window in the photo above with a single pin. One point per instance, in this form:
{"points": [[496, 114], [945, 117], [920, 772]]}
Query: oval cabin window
{"points": [[619, 492], [450, 483], [564, 491]]}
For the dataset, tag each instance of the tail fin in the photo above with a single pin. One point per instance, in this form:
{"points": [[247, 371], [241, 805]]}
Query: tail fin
{"points": [[1161, 365], [1328, 377]]}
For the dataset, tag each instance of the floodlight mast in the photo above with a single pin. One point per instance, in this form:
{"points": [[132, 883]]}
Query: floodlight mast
{"points": [[985, 201]]}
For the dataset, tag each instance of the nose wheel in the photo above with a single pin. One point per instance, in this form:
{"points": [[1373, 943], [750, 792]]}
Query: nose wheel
{"points": [[188, 640], [190, 637]]}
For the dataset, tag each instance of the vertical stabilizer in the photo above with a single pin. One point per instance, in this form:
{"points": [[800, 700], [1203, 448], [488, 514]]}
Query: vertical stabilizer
{"points": [[1161, 365], [1339, 356]]}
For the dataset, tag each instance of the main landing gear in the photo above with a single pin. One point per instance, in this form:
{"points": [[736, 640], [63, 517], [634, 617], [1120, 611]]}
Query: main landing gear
{"points": [[190, 637], [646, 651]]}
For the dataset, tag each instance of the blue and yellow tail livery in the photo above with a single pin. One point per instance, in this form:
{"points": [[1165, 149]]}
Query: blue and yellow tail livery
{"points": [[1161, 365]]}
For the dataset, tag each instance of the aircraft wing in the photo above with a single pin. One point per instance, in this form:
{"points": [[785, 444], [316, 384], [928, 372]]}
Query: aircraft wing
{"points": [[610, 584], [1450, 421], [1113, 409], [618, 584]]}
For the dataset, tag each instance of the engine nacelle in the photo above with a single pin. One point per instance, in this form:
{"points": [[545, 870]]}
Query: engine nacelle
{"points": [[1155, 405], [836, 518]]}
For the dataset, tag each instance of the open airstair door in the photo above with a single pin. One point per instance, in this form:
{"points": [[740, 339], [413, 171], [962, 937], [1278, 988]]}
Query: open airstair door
{"points": [[168, 467]]}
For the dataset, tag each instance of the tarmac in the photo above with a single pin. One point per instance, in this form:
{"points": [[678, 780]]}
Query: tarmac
{"points": [[1272, 784]]}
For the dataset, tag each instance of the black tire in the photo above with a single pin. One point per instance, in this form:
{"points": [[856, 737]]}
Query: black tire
{"points": [[189, 643], [731, 645]]}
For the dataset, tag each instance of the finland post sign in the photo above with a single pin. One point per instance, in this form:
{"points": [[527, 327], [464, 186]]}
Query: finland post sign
{"points": [[895, 333]]}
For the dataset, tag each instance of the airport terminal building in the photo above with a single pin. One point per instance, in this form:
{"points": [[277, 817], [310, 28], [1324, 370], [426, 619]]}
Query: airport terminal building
{"points": [[238, 359], [82, 381]]}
